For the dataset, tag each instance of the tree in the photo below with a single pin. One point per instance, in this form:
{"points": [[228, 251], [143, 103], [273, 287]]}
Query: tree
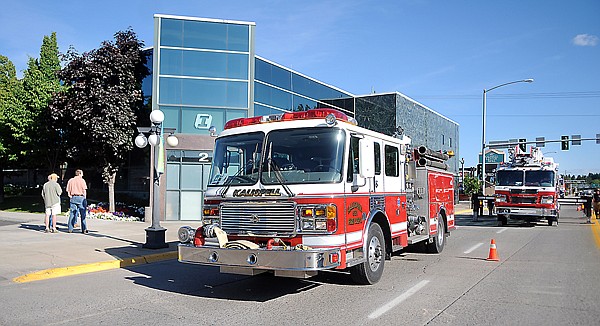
{"points": [[98, 112], [472, 185], [12, 112], [41, 139]]}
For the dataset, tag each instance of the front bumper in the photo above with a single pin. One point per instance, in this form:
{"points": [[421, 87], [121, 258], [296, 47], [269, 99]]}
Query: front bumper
{"points": [[261, 259], [527, 211]]}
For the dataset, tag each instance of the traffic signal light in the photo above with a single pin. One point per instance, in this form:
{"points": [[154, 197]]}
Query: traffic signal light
{"points": [[522, 144], [564, 143]]}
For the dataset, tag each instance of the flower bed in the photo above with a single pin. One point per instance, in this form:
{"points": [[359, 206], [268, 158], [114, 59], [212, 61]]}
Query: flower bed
{"points": [[123, 212]]}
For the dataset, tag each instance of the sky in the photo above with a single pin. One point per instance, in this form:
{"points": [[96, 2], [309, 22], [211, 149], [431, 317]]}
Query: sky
{"points": [[443, 54]]}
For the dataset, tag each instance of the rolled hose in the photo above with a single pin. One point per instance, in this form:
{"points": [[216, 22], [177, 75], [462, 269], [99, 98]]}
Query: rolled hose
{"points": [[241, 244]]}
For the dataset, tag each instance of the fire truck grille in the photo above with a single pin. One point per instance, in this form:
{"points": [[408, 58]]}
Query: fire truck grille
{"points": [[523, 200], [261, 219]]}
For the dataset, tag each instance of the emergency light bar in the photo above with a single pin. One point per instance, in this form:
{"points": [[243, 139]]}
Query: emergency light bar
{"points": [[289, 116]]}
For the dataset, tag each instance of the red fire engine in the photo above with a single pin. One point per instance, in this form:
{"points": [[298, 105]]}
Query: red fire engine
{"points": [[527, 188], [301, 192]]}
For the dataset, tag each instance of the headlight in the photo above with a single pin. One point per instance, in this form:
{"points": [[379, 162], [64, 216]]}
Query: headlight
{"points": [[547, 199], [210, 214], [500, 198], [318, 217]]}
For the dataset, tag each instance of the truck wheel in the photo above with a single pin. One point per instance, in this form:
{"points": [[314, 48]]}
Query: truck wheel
{"points": [[370, 271], [439, 240]]}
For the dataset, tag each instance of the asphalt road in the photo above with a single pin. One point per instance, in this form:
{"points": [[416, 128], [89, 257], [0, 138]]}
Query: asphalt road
{"points": [[545, 276]]}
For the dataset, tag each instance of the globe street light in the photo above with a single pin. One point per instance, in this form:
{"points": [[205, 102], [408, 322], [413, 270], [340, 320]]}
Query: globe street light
{"points": [[485, 91], [155, 234]]}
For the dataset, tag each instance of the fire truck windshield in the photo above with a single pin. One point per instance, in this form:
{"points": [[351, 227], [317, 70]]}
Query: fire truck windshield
{"points": [[530, 178], [509, 178], [302, 155], [236, 160], [539, 178]]}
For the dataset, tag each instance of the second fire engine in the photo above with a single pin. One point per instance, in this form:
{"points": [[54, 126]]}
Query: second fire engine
{"points": [[527, 188], [301, 192]]}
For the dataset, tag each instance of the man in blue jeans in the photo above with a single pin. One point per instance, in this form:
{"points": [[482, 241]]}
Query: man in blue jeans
{"points": [[77, 190]]}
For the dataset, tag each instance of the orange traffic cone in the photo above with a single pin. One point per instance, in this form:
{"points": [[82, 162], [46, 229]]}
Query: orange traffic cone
{"points": [[493, 256]]}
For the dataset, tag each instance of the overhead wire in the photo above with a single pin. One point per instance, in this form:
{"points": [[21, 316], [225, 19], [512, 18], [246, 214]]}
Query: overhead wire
{"points": [[520, 96]]}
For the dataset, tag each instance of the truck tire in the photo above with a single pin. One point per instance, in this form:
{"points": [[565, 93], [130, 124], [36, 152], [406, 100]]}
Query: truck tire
{"points": [[370, 271], [439, 240], [552, 219]]}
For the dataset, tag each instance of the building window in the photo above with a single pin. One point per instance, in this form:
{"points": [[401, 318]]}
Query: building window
{"points": [[204, 64], [204, 35]]}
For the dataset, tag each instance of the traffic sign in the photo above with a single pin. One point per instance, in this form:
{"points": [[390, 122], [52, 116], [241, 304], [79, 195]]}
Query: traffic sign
{"points": [[540, 141]]}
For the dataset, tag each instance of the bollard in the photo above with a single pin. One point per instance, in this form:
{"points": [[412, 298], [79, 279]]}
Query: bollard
{"points": [[481, 207]]}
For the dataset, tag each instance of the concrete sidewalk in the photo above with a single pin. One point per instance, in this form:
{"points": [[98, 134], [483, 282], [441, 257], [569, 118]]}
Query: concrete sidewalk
{"points": [[29, 254]]}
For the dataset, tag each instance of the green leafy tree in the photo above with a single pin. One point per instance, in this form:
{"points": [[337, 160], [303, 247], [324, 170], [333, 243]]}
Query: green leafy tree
{"points": [[98, 112], [12, 113], [41, 139], [472, 185]]}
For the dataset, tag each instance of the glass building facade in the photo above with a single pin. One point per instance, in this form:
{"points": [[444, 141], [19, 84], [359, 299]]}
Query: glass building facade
{"points": [[205, 72]]}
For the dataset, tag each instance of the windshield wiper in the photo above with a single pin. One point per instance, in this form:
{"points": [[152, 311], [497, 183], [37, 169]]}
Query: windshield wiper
{"points": [[278, 175], [236, 175]]}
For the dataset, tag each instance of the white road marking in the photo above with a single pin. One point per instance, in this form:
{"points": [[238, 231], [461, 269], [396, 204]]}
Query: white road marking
{"points": [[385, 308], [502, 230], [473, 248]]}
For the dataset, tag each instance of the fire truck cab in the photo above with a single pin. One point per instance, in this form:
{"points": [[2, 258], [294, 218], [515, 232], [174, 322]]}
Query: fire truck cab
{"points": [[527, 188], [302, 192]]}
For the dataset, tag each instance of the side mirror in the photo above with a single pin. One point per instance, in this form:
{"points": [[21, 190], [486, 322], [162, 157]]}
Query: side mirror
{"points": [[366, 154]]}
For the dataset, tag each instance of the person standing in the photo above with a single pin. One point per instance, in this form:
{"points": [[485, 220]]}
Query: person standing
{"points": [[596, 201], [51, 192], [77, 191]]}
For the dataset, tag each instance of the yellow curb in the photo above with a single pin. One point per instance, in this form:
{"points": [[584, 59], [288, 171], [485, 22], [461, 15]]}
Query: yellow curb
{"points": [[463, 212], [596, 231], [94, 267]]}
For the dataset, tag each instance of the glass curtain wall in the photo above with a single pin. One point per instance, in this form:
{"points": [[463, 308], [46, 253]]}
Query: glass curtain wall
{"points": [[204, 72], [278, 89], [202, 77]]}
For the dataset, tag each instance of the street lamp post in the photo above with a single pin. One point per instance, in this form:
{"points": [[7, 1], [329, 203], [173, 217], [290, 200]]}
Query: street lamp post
{"points": [[155, 234], [462, 170], [485, 91], [63, 169]]}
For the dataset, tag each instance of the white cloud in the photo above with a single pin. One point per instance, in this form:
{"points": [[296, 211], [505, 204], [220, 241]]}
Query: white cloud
{"points": [[585, 40]]}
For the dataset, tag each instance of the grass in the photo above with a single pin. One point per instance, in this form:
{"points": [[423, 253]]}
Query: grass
{"points": [[29, 200], [29, 204]]}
